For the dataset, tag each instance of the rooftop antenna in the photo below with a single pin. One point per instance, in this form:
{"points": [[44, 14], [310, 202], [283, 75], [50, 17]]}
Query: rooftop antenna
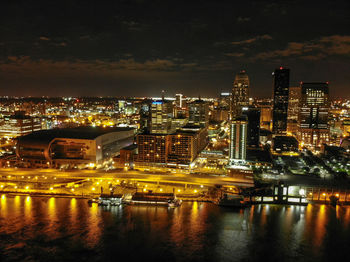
{"points": [[163, 93]]}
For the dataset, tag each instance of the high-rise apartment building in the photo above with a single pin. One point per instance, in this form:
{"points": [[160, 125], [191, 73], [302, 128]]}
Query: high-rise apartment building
{"points": [[198, 113], [313, 117], [280, 100], [238, 140], [240, 94], [161, 116]]}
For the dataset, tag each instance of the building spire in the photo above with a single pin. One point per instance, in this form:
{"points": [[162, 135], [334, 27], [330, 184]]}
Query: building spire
{"points": [[163, 95]]}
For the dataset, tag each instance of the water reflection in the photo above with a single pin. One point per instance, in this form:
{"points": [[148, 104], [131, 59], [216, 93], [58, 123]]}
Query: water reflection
{"points": [[27, 209], [3, 206], [94, 226], [41, 228]]}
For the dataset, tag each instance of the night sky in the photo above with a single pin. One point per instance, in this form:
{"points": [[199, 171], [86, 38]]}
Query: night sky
{"points": [[138, 48]]}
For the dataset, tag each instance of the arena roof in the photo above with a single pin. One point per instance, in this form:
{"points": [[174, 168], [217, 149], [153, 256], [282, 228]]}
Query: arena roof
{"points": [[77, 133]]}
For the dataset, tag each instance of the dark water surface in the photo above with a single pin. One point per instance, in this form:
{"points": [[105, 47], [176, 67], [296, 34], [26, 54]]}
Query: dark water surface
{"points": [[63, 229]]}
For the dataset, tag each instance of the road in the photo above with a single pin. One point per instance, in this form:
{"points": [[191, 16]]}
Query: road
{"points": [[178, 178]]}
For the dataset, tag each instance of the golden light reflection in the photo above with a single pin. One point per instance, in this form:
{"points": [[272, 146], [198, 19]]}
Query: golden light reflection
{"points": [[52, 208], [73, 211], [28, 208], [263, 215], [339, 212], [320, 225], [347, 215], [3, 206], [94, 230], [17, 202], [195, 209], [177, 232]]}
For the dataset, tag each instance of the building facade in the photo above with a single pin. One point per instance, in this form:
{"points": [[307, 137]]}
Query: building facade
{"points": [[72, 146], [280, 100], [240, 94], [238, 141], [293, 110], [19, 125], [253, 128], [180, 148], [313, 116], [198, 113], [161, 116]]}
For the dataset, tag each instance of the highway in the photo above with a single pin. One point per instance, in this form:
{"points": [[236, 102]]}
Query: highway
{"points": [[46, 175]]}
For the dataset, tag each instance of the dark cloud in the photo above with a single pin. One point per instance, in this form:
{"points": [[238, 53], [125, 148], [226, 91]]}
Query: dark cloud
{"points": [[252, 40], [180, 45], [311, 50], [44, 38]]}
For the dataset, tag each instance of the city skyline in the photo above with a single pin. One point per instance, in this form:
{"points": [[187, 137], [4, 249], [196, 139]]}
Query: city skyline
{"points": [[165, 130], [74, 48]]}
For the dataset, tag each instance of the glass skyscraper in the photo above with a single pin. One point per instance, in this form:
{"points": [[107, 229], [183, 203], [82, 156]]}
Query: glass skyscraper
{"points": [[280, 100]]}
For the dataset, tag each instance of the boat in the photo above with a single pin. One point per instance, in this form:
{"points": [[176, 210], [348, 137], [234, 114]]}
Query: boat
{"points": [[92, 200], [162, 199], [230, 200], [110, 200]]}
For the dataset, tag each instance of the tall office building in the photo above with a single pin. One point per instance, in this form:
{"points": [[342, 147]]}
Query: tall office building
{"points": [[253, 128], [161, 116], [293, 110], [240, 94], [225, 100], [280, 100], [313, 118], [198, 113], [178, 100], [238, 140], [145, 115]]}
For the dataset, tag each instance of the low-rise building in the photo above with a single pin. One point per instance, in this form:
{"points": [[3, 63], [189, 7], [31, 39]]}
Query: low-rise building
{"points": [[285, 145], [19, 124], [72, 146]]}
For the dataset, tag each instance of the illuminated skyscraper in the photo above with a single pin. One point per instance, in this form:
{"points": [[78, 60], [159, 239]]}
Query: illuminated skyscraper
{"points": [[178, 100], [161, 116], [238, 140], [198, 113], [313, 118], [280, 100], [293, 110], [225, 100], [240, 94]]}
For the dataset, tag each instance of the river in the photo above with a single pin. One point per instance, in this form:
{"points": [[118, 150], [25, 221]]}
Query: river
{"points": [[65, 229]]}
